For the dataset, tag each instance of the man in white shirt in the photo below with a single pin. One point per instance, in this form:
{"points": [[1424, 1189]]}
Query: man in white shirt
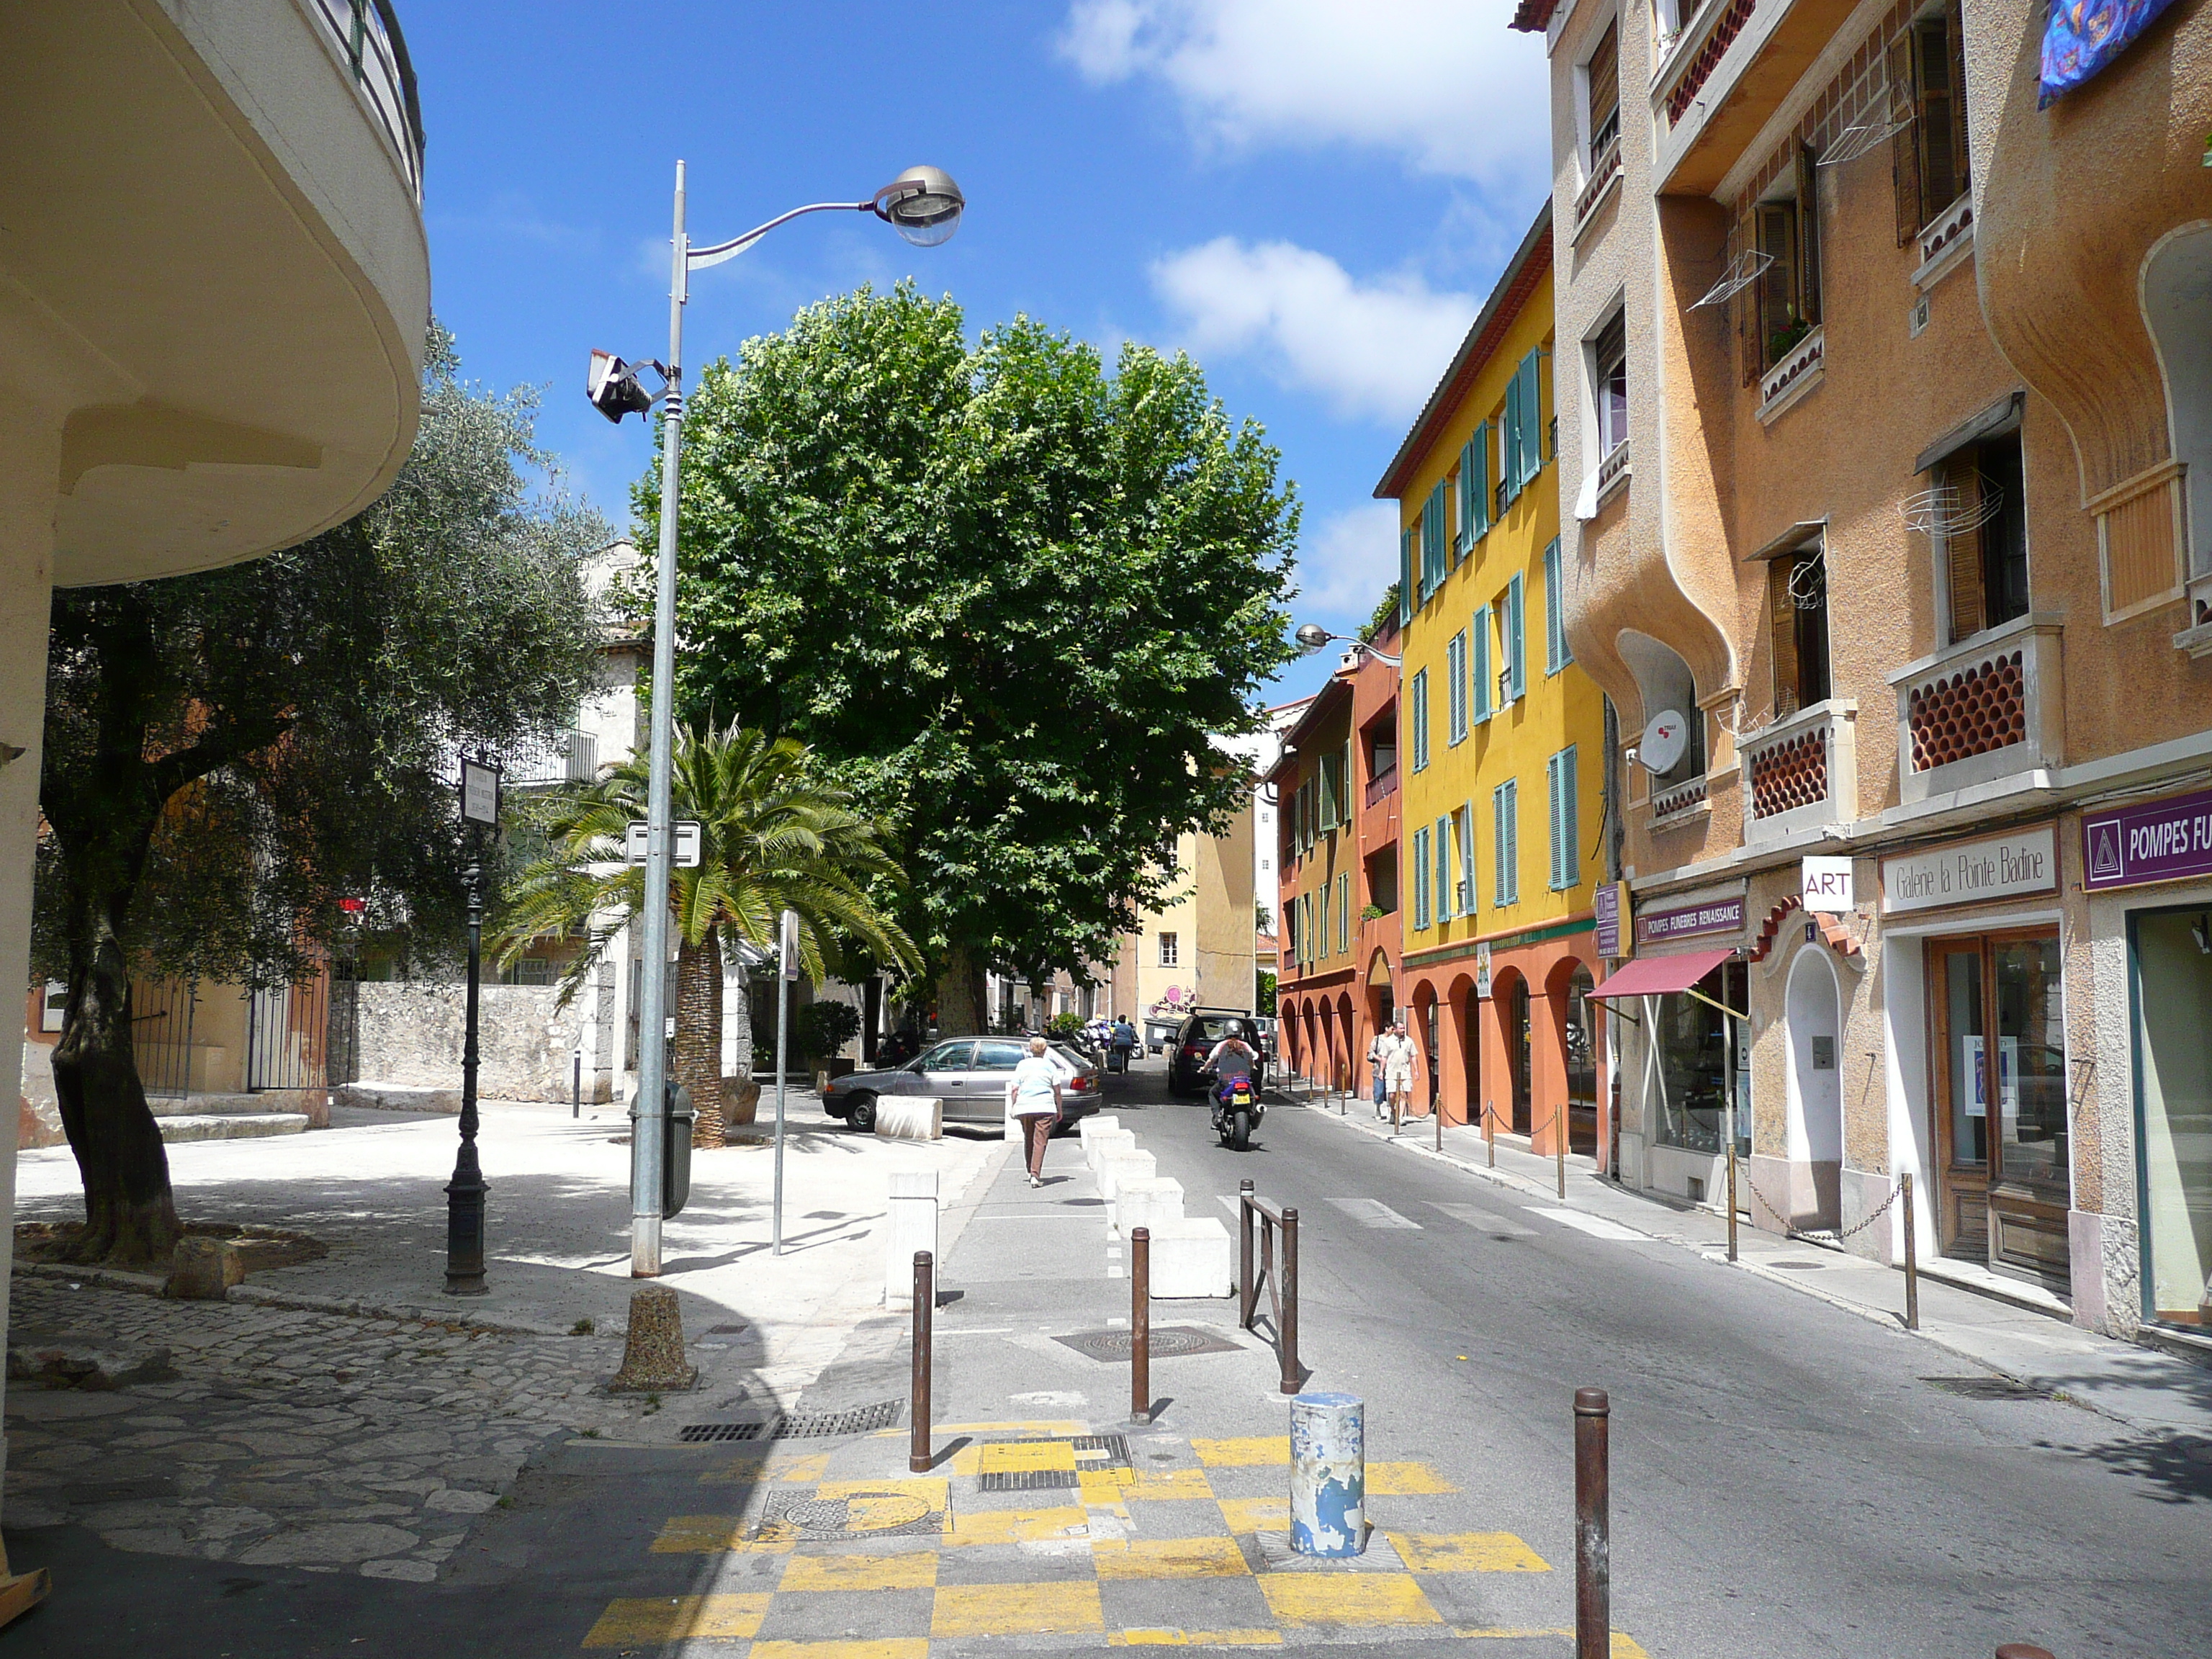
{"points": [[1394, 1062]]}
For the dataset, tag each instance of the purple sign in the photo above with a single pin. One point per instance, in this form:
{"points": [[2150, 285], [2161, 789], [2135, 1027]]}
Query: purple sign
{"points": [[2152, 840], [1716, 916], [1609, 920]]}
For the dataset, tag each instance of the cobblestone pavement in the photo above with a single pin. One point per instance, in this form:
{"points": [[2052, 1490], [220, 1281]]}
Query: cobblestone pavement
{"points": [[290, 1438]]}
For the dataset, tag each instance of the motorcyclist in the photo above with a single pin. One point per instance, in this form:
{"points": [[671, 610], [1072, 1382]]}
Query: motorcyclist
{"points": [[1232, 1057]]}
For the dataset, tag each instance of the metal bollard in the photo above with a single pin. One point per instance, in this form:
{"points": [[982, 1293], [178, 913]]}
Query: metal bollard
{"points": [[1731, 1198], [1911, 1255], [1141, 1325], [924, 1310], [1559, 1147], [1288, 1334], [576, 1091], [1329, 1475], [1592, 1506], [1243, 1254], [1438, 1114], [1490, 1132]]}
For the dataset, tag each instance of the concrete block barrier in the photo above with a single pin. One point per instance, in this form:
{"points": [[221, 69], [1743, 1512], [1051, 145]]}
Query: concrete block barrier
{"points": [[1097, 1124], [1192, 1258], [1100, 1147], [909, 1117], [1119, 1166], [911, 1224], [1145, 1204]]}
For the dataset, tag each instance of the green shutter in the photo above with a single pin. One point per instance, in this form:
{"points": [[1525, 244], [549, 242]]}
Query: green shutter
{"points": [[1480, 522], [1420, 861], [1445, 911], [1527, 379], [1555, 611], [1467, 855], [1405, 577], [1470, 498], [1565, 860], [1516, 652], [1481, 664], [1508, 439], [1455, 667]]}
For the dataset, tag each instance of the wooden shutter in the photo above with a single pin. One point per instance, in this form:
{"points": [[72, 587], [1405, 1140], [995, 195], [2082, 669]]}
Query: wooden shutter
{"points": [[1937, 108], [1464, 542], [1781, 613], [1419, 705], [1808, 236], [1961, 153], [1603, 78], [1516, 649], [1351, 781], [1555, 619], [1420, 878], [1565, 830], [1405, 577], [1513, 840], [1481, 522], [1344, 911], [1905, 145], [1962, 549], [1481, 664], [1530, 375], [1455, 667], [1509, 443], [1743, 237]]}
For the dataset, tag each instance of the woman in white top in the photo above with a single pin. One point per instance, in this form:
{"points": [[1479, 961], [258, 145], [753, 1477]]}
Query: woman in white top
{"points": [[1033, 1103]]}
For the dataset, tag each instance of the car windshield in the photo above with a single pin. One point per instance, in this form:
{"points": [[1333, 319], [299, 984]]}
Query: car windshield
{"points": [[1212, 1028]]}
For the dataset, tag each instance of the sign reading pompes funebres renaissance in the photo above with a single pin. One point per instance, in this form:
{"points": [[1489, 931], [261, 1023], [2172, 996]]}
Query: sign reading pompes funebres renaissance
{"points": [[1690, 920], [2018, 862], [2168, 840]]}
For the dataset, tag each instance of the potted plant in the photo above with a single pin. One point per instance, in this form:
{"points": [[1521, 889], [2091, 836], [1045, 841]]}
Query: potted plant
{"points": [[819, 1030]]}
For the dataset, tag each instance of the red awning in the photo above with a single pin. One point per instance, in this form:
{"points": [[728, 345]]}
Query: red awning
{"points": [[1651, 976]]}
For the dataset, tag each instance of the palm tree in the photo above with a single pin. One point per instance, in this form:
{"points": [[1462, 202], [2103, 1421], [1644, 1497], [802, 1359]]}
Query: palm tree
{"points": [[774, 836]]}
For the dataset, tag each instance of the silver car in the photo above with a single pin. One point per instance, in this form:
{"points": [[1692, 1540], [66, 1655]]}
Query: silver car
{"points": [[969, 1074]]}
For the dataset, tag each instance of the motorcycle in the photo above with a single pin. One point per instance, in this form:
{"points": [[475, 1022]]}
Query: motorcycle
{"points": [[1237, 1112]]}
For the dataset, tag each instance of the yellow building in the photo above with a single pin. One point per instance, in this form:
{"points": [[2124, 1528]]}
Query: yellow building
{"points": [[1503, 739], [1196, 950]]}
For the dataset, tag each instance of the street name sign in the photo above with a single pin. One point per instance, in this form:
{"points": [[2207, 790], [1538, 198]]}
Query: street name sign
{"points": [[686, 832]]}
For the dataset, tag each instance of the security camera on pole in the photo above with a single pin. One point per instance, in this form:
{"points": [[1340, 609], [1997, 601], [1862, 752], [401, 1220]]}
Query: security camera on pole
{"points": [[924, 206]]}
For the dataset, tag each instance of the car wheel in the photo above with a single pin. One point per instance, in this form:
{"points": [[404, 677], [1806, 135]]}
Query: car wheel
{"points": [[862, 1114]]}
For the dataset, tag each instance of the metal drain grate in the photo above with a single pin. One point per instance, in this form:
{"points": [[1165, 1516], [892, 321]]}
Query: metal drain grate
{"points": [[1095, 1453], [1985, 1387], [1029, 1480], [801, 1425], [1169, 1341]]}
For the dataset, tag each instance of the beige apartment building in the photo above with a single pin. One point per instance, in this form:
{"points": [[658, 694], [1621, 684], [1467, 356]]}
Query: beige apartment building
{"points": [[1885, 385], [1197, 949]]}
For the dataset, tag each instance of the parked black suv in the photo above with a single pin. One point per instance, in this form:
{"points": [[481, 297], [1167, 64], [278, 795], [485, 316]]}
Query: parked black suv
{"points": [[1195, 1039]]}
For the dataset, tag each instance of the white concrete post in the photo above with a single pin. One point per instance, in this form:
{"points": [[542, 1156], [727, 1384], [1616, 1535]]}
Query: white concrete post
{"points": [[910, 1224], [1329, 1474]]}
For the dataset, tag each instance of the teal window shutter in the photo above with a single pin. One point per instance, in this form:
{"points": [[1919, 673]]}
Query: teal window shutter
{"points": [[1420, 878], [1497, 894], [1344, 912], [1320, 945], [1505, 886], [1516, 652], [1565, 861], [1405, 577], [1456, 667], [1417, 716], [1478, 521], [1556, 655], [1470, 497], [1525, 379], [1467, 859], [1445, 911], [1508, 441], [1551, 780], [1434, 561], [1482, 669]]}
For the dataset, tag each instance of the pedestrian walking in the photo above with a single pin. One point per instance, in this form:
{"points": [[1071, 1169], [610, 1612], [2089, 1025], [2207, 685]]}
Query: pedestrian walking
{"points": [[1394, 1053], [1033, 1103], [1125, 1042]]}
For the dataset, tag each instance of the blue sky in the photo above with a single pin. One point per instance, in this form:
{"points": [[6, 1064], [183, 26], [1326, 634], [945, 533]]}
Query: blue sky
{"points": [[1311, 198]]}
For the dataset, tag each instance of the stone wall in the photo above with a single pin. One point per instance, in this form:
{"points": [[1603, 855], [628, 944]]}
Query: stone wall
{"points": [[409, 1031]]}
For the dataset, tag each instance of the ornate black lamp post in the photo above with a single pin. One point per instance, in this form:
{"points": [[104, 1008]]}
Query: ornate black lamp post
{"points": [[465, 1193]]}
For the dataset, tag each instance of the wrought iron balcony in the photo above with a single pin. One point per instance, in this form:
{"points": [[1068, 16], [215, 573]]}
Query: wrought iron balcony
{"points": [[369, 39]]}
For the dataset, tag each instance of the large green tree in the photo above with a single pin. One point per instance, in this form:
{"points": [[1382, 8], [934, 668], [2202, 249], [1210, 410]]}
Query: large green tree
{"points": [[1011, 596], [228, 755], [773, 835]]}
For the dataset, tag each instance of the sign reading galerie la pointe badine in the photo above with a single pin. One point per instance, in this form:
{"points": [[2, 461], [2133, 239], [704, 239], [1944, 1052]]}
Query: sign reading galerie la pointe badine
{"points": [[1690, 920], [2018, 862], [2164, 840]]}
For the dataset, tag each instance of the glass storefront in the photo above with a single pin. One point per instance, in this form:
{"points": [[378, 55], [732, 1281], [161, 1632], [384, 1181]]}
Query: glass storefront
{"points": [[2171, 961], [1698, 1073]]}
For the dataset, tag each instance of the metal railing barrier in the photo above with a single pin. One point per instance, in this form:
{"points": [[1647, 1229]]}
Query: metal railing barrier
{"points": [[1281, 1281]]}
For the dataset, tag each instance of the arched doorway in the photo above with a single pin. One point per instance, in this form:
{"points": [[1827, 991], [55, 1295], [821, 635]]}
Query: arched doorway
{"points": [[1421, 1027], [1467, 1023], [1814, 1130], [1355, 1043], [1575, 1019], [1509, 994]]}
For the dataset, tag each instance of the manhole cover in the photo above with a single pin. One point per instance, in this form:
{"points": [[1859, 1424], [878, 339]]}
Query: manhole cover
{"points": [[1167, 1342], [1800, 1265], [1985, 1387], [801, 1425], [861, 1514]]}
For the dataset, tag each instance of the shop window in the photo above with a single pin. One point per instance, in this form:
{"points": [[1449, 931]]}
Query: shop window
{"points": [[2172, 955], [1798, 605], [1927, 81], [1984, 526], [1788, 291], [1582, 1049], [1610, 383], [1697, 1065]]}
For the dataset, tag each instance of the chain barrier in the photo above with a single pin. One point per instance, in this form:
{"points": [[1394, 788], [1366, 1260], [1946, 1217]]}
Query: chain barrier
{"points": [[1816, 1234]]}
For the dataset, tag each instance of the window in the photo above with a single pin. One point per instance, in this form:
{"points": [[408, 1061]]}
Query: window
{"points": [[1474, 488], [2173, 978], [1406, 577], [1170, 950], [1466, 838], [1511, 619], [1787, 303], [530, 971], [1434, 544], [1321, 933], [1455, 667], [1445, 911], [1290, 926], [1567, 861], [1610, 383], [1521, 440], [1420, 879], [1556, 653], [1505, 834], [1983, 528], [1928, 157], [1797, 602], [1601, 93], [1695, 1050], [1343, 912], [1484, 692], [1417, 716]]}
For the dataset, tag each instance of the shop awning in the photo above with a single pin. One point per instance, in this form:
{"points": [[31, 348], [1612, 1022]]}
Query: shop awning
{"points": [[1651, 976]]}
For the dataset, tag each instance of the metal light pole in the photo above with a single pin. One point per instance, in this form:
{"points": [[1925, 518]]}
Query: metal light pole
{"points": [[923, 206], [465, 1193], [787, 970]]}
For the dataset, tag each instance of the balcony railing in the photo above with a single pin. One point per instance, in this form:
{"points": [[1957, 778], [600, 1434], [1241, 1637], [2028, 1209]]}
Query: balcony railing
{"points": [[1801, 772], [1792, 374], [1677, 800], [370, 41], [1697, 51], [1612, 469], [571, 757], [1946, 240], [1605, 172], [1381, 788], [1992, 707]]}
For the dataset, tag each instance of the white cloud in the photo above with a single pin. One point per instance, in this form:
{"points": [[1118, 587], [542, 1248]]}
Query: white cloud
{"points": [[1345, 566], [1372, 349], [1444, 83]]}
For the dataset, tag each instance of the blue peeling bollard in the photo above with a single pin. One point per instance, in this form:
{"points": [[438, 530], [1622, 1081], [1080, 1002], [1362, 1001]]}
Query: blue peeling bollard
{"points": [[1329, 1474]]}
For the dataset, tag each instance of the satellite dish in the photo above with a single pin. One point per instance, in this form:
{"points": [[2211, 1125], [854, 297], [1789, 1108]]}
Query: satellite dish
{"points": [[1659, 749]]}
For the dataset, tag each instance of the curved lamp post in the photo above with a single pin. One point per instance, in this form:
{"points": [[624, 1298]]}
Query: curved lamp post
{"points": [[923, 206], [1314, 637]]}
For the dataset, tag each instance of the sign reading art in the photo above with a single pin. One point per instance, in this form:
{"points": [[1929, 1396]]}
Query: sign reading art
{"points": [[1690, 921], [1825, 886], [1971, 872], [2152, 841]]}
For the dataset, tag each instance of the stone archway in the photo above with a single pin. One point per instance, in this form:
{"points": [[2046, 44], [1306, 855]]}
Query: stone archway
{"points": [[1462, 1062], [1570, 1039], [1513, 1096]]}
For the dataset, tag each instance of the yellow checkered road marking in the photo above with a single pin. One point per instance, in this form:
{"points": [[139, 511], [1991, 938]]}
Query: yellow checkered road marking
{"points": [[1466, 1552], [1068, 1608], [1195, 1639], [862, 1572], [1245, 1515], [1252, 1453], [1013, 1456], [634, 1621], [1169, 1557], [897, 1647], [1346, 1598]]}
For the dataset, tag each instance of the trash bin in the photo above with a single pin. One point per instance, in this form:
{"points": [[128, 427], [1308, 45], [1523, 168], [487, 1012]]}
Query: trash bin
{"points": [[676, 1151]]}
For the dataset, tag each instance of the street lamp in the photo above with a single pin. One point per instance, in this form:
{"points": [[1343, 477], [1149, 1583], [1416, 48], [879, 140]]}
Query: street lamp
{"points": [[923, 206], [1314, 637]]}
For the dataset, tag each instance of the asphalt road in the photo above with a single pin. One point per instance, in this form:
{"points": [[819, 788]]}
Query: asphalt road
{"points": [[1784, 1479]]}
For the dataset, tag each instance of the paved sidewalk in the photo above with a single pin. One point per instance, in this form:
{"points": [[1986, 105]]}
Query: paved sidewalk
{"points": [[2142, 1388], [344, 1414]]}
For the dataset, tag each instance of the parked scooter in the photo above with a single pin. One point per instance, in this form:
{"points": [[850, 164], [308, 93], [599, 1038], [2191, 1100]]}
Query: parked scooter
{"points": [[1237, 1111]]}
